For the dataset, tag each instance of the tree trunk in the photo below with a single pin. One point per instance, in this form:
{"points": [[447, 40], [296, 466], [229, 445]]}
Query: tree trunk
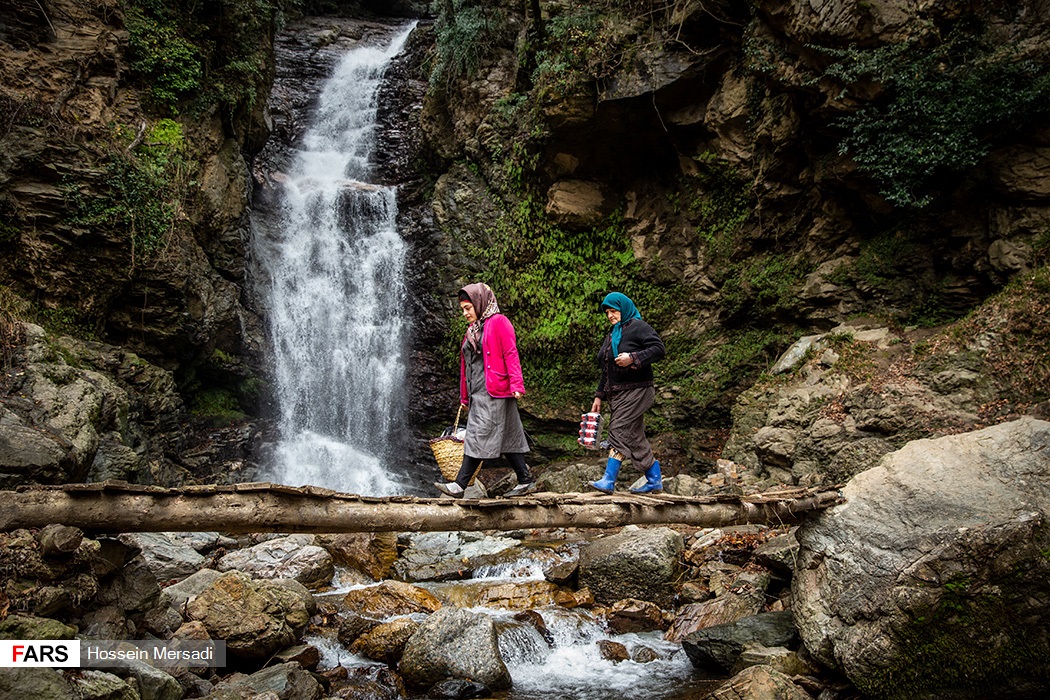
{"points": [[272, 508]]}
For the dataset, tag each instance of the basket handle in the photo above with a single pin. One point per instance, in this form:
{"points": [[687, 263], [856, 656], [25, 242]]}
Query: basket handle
{"points": [[455, 427]]}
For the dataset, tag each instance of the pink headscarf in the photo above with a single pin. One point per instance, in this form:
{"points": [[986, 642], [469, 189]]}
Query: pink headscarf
{"points": [[484, 301]]}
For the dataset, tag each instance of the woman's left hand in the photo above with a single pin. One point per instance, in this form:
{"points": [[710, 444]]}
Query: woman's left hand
{"points": [[518, 394], [624, 359]]}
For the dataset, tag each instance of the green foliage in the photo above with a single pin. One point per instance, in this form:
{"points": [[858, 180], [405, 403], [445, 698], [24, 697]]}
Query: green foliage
{"points": [[141, 193], [550, 281], [763, 285], [705, 368], [168, 63], [944, 106], [722, 202], [216, 404], [572, 50], [200, 53], [463, 38]]}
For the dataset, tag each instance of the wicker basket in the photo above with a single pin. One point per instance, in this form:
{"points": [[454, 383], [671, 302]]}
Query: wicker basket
{"points": [[448, 451]]}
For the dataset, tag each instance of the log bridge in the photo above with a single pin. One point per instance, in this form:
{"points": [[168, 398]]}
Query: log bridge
{"points": [[264, 507]]}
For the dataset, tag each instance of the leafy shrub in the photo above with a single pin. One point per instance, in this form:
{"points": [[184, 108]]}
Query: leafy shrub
{"points": [[944, 107], [463, 37], [168, 63]]}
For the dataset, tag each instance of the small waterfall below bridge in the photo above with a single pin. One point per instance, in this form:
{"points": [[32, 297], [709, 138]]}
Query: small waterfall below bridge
{"points": [[331, 276]]}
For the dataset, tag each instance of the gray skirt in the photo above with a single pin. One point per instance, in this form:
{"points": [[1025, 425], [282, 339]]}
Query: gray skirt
{"points": [[627, 426], [493, 425]]}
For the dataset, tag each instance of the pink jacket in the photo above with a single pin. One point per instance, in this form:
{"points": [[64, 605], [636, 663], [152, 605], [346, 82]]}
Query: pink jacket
{"points": [[502, 365]]}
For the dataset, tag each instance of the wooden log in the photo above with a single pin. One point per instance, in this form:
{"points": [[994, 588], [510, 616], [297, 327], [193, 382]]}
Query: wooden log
{"points": [[262, 510]]}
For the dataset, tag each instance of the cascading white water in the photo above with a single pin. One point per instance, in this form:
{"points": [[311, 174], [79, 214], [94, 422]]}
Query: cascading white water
{"points": [[335, 293]]}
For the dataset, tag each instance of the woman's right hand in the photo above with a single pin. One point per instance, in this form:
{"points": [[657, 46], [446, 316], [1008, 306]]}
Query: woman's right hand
{"points": [[596, 407]]}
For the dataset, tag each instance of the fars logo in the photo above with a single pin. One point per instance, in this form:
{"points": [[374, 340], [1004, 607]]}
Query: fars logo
{"points": [[57, 653]]}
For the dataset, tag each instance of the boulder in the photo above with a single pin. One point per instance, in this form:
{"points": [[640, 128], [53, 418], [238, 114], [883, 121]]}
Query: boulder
{"points": [[188, 588], [34, 684], [90, 684], [371, 553], [256, 618], [293, 557], [390, 598], [433, 556], [716, 649], [759, 683], [932, 579], [282, 681], [455, 643], [386, 642], [636, 563], [168, 559], [724, 609], [576, 204], [631, 615]]}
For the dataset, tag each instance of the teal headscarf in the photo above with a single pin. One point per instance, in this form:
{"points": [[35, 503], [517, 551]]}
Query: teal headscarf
{"points": [[627, 310]]}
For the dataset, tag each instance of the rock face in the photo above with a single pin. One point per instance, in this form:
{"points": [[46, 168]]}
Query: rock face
{"points": [[932, 579]]}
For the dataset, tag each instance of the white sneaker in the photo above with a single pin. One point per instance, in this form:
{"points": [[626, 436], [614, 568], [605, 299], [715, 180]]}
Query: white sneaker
{"points": [[522, 490], [449, 489]]}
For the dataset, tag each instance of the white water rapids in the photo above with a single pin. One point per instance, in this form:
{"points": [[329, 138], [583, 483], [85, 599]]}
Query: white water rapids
{"points": [[334, 291]]}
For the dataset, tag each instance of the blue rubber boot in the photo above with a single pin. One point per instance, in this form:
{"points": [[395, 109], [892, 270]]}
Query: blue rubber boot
{"points": [[653, 482], [608, 482]]}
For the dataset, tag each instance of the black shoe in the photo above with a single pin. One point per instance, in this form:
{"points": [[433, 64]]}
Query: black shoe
{"points": [[522, 490]]}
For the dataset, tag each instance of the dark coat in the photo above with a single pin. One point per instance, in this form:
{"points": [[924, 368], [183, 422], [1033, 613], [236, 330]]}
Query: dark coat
{"points": [[644, 344]]}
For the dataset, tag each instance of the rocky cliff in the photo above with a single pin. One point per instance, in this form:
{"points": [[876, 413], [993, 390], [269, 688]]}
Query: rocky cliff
{"points": [[749, 172], [123, 205]]}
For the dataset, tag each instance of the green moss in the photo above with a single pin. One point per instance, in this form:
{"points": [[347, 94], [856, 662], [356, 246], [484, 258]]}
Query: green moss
{"points": [[942, 655], [764, 285], [216, 404]]}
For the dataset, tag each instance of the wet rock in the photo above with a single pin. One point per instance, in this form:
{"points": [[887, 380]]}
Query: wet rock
{"points": [[370, 553], [351, 626], [256, 618], [508, 596], [306, 655], [759, 683], [631, 615], [454, 643], [943, 543], [369, 683], [152, 682], [726, 608], [386, 642], [534, 619], [780, 659], [716, 649], [292, 557], [390, 598], [637, 563], [643, 655], [437, 556], [612, 651], [458, 689], [168, 559]]}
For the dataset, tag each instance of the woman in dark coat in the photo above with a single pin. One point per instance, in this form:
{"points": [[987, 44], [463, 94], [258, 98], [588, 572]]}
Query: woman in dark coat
{"points": [[491, 383], [625, 359]]}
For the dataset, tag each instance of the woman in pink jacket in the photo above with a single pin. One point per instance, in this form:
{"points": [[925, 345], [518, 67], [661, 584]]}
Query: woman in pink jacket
{"points": [[490, 384]]}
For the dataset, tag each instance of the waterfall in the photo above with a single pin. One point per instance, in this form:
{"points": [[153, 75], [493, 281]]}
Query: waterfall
{"points": [[332, 279]]}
